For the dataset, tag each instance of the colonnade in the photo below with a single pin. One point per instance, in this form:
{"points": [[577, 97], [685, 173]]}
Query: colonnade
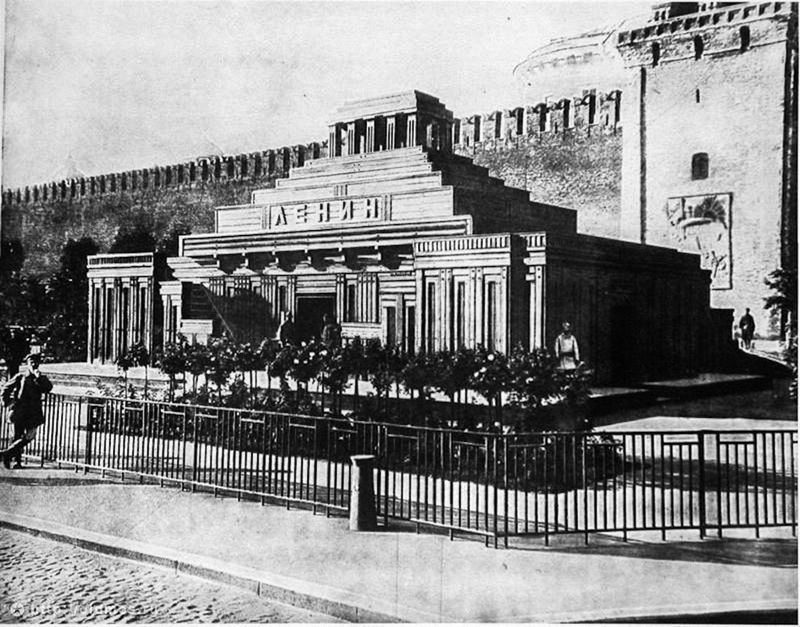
{"points": [[121, 314], [401, 130]]}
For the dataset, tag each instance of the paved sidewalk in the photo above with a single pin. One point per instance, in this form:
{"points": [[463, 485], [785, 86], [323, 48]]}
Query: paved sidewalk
{"points": [[395, 574]]}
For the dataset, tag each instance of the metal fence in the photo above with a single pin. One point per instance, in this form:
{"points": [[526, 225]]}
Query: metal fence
{"points": [[494, 485]]}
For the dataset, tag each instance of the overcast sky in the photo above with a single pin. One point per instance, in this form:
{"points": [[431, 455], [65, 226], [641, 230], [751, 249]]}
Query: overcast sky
{"points": [[122, 84]]}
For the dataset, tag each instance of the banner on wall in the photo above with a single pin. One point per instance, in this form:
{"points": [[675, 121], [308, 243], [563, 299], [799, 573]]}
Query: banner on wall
{"points": [[702, 224]]}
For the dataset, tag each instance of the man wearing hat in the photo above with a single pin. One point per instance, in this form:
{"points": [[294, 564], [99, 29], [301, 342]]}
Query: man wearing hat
{"points": [[23, 396]]}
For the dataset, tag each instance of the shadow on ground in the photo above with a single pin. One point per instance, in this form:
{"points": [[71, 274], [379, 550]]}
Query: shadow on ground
{"points": [[17, 477], [778, 553], [760, 405]]}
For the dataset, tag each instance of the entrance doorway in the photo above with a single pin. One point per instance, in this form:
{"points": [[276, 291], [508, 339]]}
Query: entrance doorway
{"points": [[310, 313]]}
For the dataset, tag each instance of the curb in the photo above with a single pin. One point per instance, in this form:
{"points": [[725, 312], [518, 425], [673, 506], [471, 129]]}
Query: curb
{"points": [[346, 605], [318, 598]]}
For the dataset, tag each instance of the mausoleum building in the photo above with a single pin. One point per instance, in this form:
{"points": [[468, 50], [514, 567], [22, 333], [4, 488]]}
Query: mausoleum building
{"points": [[404, 241]]}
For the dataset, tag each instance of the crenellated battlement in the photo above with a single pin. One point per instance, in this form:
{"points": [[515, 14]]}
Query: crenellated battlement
{"points": [[711, 31], [593, 111], [216, 170]]}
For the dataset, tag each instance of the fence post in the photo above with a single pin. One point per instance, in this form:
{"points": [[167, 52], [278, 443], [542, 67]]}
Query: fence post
{"points": [[701, 487], [90, 409], [363, 516]]}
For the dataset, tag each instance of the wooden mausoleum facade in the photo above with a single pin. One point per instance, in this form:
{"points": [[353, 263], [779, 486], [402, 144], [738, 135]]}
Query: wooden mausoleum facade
{"points": [[404, 241]]}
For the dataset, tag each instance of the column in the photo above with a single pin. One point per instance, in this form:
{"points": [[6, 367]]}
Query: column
{"points": [[446, 315], [419, 309], [102, 321], [91, 335], [469, 311], [503, 311], [340, 297], [390, 135], [291, 295], [411, 130], [370, 136], [147, 331], [116, 340], [166, 305], [135, 333], [479, 289], [536, 311], [333, 141], [351, 138]]}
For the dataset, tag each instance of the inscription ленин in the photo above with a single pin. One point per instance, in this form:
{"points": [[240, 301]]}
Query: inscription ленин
{"points": [[289, 216]]}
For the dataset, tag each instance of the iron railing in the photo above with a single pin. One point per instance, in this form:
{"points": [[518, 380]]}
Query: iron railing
{"points": [[491, 484]]}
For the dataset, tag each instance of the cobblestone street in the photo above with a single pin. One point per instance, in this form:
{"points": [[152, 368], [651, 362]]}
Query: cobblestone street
{"points": [[50, 582]]}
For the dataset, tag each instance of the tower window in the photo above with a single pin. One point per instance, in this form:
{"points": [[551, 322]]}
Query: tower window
{"points": [[744, 38], [656, 50], [699, 45], [498, 124], [477, 129], [697, 95], [699, 166]]}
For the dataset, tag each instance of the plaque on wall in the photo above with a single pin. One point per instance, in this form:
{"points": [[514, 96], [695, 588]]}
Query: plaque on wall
{"points": [[702, 224]]}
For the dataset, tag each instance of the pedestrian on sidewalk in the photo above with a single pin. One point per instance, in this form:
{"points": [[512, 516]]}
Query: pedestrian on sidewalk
{"points": [[567, 351], [23, 397], [747, 327]]}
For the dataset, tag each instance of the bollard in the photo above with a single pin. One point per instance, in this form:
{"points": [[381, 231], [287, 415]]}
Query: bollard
{"points": [[363, 515]]}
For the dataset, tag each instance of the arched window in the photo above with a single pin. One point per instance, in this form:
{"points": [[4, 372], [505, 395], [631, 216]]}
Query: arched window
{"points": [[699, 166], [498, 124], [477, 129], [744, 38], [699, 45], [656, 51]]}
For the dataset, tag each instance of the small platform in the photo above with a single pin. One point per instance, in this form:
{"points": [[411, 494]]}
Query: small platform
{"points": [[80, 378], [707, 384]]}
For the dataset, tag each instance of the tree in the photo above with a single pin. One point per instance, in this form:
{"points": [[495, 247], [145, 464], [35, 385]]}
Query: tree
{"points": [[67, 292], [172, 362], [12, 258], [783, 301], [491, 378], [133, 238]]}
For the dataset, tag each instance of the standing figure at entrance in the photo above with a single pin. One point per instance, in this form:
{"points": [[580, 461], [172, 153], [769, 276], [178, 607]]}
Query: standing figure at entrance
{"points": [[567, 349], [286, 332], [747, 327], [23, 395], [331, 332]]}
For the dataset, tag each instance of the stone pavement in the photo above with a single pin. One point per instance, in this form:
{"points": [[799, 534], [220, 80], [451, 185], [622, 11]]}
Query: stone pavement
{"points": [[52, 582], [317, 563]]}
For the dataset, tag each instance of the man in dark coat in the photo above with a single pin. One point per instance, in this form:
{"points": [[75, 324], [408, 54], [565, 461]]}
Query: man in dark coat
{"points": [[747, 327], [23, 396]]}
